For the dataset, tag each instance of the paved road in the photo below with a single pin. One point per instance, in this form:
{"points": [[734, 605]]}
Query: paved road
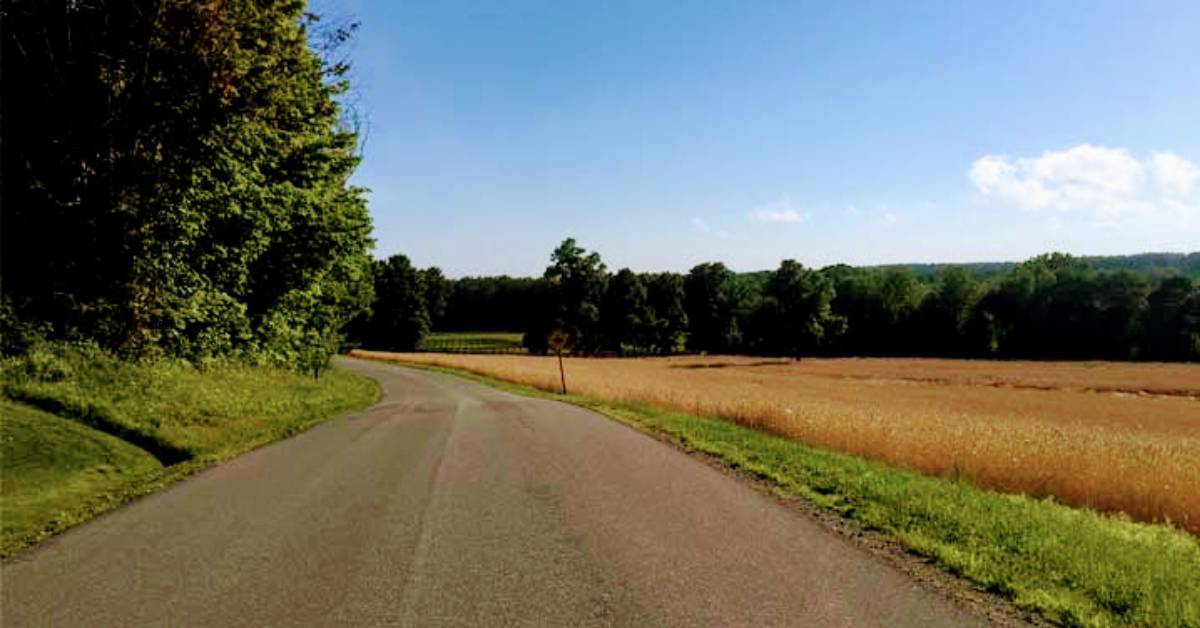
{"points": [[452, 504]]}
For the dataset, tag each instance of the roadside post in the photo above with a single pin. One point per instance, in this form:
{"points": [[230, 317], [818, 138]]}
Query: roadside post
{"points": [[558, 341]]}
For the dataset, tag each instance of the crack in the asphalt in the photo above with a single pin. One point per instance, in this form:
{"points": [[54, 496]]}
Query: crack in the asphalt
{"points": [[412, 584]]}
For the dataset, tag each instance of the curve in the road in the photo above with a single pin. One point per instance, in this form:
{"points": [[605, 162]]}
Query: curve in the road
{"points": [[453, 504]]}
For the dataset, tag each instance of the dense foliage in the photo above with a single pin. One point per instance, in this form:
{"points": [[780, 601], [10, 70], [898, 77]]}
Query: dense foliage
{"points": [[175, 179], [407, 301], [1049, 307]]}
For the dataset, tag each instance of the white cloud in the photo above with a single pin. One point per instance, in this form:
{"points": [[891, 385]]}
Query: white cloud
{"points": [[1107, 182], [1176, 175], [700, 225], [780, 211]]}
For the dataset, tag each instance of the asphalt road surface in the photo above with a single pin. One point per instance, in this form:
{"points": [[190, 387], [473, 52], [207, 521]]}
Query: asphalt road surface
{"points": [[453, 504]]}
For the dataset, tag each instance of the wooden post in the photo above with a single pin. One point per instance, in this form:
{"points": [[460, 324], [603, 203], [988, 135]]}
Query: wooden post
{"points": [[558, 341], [561, 373]]}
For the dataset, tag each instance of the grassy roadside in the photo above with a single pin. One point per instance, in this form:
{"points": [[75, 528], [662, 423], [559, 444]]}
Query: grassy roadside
{"points": [[1073, 566], [49, 464], [83, 432]]}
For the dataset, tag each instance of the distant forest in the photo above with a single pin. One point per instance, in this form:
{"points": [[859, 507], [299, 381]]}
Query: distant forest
{"points": [[1054, 306]]}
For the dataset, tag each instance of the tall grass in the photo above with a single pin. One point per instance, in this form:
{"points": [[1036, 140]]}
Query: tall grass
{"points": [[174, 409]]}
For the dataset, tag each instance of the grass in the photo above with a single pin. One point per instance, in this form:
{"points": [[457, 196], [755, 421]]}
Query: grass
{"points": [[472, 342], [179, 411], [1075, 566], [51, 466], [108, 430], [1114, 437]]}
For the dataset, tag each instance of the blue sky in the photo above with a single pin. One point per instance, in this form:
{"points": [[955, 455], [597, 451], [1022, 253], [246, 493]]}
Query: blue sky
{"points": [[666, 134]]}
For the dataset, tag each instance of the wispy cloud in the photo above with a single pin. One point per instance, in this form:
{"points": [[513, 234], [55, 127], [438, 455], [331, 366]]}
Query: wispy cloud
{"points": [[780, 211], [1107, 183], [703, 227]]}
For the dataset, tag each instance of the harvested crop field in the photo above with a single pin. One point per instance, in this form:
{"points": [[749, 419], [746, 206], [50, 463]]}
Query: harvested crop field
{"points": [[1111, 436]]}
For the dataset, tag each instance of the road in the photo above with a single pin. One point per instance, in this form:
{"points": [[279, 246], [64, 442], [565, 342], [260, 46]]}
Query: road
{"points": [[453, 504]]}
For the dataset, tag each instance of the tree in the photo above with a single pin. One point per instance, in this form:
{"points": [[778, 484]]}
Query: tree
{"points": [[795, 316], [543, 318], [900, 296], [709, 302], [490, 304], [437, 290], [1040, 308], [191, 197], [578, 281], [1121, 302], [624, 317], [668, 319], [875, 304], [856, 301], [945, 313], [1172, 321], [399, 317]]}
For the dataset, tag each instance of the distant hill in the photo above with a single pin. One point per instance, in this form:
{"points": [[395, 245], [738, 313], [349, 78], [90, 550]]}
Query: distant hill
{"points": [[1186, 264], [1180, 263]]}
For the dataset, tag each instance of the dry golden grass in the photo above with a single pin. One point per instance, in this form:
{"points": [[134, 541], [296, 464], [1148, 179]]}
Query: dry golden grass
{"points": [[1111, 436]]}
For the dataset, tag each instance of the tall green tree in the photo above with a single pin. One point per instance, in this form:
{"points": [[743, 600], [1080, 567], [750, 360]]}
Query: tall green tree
{"points": [[795, 317], [399, 316], [710, 299], [668, 318], [625, 318], [578, 281], [944, 315], [437, 291], [1172, 321], [1043, 308], [1120, 300], [490, 304], [191, 197]]}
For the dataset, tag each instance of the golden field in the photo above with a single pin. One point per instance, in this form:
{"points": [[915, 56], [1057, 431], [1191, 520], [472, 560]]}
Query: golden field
{"points": [[1111, 436]]}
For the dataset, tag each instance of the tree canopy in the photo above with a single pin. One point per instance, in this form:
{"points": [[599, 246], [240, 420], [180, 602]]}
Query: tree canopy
{"points": [[188, 194]]}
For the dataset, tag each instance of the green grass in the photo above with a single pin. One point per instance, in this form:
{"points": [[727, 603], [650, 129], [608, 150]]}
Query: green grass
{"points": [[178, 411], [147, 424], [473, 342], [1075, 567], [50, 466]]}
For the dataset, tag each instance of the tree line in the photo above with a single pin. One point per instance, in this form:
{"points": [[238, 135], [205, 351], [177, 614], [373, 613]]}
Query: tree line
{"points": [[1053, 306], [176, 180]]}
